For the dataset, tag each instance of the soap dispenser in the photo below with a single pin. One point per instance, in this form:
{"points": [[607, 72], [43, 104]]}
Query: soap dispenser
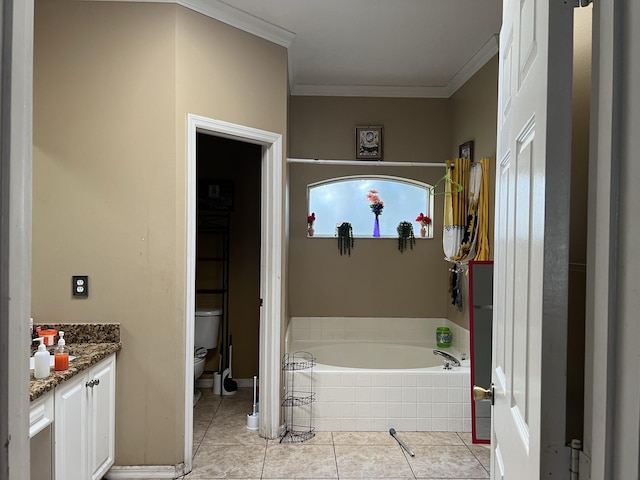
{"points": [[61, 355], [41, 360]]}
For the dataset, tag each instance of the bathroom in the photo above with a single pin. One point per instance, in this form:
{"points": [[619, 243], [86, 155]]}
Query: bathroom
{"points": [[134, 192], [135, 195], [323, 284]]}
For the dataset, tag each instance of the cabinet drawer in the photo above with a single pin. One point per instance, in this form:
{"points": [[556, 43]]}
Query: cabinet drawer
{"points": [[40, 414]]}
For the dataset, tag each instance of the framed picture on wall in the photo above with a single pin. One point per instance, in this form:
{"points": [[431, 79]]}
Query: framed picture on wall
{"points": [[215, 195], [369, 143], [466, 150]]}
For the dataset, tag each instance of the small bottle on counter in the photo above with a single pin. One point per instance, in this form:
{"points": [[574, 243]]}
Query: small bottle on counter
{"points": [[41, 360], [61, 355]]}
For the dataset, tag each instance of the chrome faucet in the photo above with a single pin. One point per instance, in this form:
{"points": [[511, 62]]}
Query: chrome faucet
{"points": [[448, 359]]}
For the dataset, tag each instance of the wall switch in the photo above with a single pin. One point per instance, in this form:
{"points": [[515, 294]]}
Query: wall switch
{"points": [[80, 286]]}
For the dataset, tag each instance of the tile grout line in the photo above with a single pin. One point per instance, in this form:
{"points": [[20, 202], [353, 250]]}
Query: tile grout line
{"points": [[335, 456], [264, 459]]}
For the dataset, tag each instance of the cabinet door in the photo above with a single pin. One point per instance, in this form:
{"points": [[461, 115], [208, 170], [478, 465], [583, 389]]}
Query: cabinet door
{"points": [[102, 417], [70, 430]]}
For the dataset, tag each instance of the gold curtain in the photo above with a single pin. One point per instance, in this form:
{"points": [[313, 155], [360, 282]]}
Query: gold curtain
{"points": [[466, 223], [482, 248]]}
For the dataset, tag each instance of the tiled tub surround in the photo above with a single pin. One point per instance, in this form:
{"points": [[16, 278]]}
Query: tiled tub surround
{"points": [[407, 331], [360, 399], [89, 343]]}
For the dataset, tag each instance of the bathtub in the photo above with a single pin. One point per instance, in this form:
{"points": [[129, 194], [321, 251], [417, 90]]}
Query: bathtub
{"points": [[375, 356], [373, 386]]}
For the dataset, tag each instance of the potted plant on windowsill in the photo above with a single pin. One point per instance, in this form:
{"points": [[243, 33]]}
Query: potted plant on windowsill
{"points": [[344, 232], [424, 221], [310, 219], [405, 236]]}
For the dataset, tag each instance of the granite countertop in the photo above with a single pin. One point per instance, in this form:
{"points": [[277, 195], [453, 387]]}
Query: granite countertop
{"points": [[95, 342]]}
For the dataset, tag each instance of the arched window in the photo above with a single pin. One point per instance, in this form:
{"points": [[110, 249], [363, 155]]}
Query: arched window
{"points": [[344, 199]]}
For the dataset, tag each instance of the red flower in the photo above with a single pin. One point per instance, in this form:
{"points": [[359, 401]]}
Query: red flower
{"points": [[311, 218], [423, 219]]}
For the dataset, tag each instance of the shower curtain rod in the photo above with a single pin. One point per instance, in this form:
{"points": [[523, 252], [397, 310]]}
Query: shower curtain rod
{"points": [[360, 163]]}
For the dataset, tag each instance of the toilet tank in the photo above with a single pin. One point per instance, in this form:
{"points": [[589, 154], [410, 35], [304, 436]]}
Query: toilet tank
{"points": [[206, 329]]}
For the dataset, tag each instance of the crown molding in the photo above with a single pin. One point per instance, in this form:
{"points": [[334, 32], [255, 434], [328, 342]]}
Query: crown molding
{"points": [[479, 60], [234, 17], [312, 90]]}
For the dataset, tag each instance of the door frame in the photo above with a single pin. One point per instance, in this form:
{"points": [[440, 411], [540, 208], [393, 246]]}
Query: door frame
{"points": [[271, 268]]}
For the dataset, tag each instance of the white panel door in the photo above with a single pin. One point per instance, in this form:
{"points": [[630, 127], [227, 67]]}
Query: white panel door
{"points": [[531, 237]]}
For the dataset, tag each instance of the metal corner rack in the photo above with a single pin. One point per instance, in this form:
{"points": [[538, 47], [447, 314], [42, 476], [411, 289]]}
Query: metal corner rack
{"points": [[298, 397]]}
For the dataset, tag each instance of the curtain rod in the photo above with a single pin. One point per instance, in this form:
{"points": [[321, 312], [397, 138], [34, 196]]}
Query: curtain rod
{"points": [[360, 163]]}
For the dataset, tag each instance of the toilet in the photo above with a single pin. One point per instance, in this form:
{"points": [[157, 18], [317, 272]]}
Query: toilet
{"points": [[207, 323]]}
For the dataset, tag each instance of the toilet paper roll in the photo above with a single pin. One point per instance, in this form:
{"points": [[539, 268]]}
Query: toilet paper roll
{"points": [[217, 383]]}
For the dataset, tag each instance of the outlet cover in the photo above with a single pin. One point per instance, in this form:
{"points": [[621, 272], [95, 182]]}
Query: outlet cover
{"points": [[80, 286]]}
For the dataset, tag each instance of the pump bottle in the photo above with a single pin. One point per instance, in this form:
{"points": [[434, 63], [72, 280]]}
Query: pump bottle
{"points": [[61, 355], [41, 360]]}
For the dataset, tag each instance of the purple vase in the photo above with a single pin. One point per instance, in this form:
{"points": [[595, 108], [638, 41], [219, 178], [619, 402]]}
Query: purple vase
{"points": [[376, 227]]}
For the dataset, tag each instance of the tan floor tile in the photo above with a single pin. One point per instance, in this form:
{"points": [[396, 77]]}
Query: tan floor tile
{"points": [[372, 461], [363, 438], [483, 454], [430, 438], [227, 461], [296, 460], [230, 435], [203, 415], [199, 429], [319, 438], [445, 462], [230, 421], [466, 437]]}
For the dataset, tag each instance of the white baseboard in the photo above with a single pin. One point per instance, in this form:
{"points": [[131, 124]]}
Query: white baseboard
{"points": [[204, 383], [146, 471], [208, 382]]}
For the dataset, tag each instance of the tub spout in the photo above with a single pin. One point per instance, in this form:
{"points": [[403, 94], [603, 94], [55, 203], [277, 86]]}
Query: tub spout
{"points": [[448, 359]]}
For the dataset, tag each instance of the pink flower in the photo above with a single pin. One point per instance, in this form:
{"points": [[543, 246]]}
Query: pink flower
{"points": [[373, 198], [374, 202]]}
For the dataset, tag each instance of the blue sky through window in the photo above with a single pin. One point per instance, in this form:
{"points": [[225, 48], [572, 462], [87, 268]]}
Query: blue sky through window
{"points": [[345, 200]]}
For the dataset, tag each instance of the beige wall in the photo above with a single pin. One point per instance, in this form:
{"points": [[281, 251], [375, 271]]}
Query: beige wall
{"points": [[376, 280], [413, 284], [113, 83], [474, 109]]}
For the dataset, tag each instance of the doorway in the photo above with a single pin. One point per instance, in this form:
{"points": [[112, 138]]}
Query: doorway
{"points": [[271, 267], [228, 251]]}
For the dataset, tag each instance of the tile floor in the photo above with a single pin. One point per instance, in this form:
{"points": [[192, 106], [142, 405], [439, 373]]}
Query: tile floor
{"points": [[224, 448]]}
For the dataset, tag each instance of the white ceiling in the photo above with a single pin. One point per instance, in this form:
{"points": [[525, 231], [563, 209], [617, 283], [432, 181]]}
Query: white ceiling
{"points": [[390, 48], [382, 47]]}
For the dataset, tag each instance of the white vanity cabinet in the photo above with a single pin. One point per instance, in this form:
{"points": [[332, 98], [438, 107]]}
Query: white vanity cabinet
{"points": [[85, 423]]}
